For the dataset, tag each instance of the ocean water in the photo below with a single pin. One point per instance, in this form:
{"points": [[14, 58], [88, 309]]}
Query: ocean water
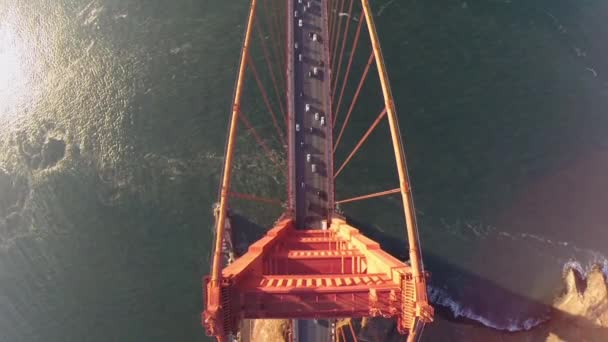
{"points": [[112, 123]]}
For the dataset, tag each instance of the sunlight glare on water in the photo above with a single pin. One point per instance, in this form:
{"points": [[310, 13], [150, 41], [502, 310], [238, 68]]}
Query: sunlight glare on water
{"points": [[16, 64]]}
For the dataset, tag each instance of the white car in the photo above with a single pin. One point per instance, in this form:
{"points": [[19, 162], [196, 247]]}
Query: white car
{"points": [[300, 23], [313, 168], [297, 127], [295, 45], [317, 116], [315, 37], [300, 57], [309, 4], [322, 121], [295, 14], [315, 71], [308, 157], [307, 107]]}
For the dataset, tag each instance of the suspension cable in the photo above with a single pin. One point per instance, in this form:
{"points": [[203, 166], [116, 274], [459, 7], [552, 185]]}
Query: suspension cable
{"points": [[260, 142], [336, 31], [350, 11], [271, 71], [228, 156], [255, 198], [265, 97], [275, 16], [363, 139], [376, 194], [354, 101], [334, 43], [348, 67], [352, 330], [333, 16], [271, 31]]}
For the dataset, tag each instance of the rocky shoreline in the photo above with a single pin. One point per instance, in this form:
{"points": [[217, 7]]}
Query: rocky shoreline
{"points": [[580, 313]]}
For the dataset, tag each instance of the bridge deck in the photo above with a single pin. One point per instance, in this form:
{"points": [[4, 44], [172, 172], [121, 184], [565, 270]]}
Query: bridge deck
{"points": [[311, 112], [313, 190]]}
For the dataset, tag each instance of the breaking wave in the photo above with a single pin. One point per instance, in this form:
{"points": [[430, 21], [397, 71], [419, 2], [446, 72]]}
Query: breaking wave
{"points": [[442, 298]]}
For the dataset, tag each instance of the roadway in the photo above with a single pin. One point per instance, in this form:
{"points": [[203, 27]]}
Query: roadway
{"points": [[313, 147], [311, 112]]}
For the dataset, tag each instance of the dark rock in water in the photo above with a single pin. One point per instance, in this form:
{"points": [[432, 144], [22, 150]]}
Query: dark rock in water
{"points": [[52, 152], [575, 282], [34, 161]]}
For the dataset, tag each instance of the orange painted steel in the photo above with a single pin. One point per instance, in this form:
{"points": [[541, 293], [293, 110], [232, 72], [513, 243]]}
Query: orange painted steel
{"points": [[337, 73], [423, 310], [262, 89], [214, 303], [325, 273], [360, 143], [354, 101], [270, 70], [376, 194], [254, 198], [349, 65], [292, 273]]}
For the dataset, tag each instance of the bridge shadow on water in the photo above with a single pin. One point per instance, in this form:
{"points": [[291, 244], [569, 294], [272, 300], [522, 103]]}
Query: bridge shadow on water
{"points": [[462, 297]]}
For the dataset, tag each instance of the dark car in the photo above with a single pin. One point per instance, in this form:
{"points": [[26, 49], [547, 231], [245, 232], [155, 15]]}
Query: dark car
{"points": [[322, 322]]}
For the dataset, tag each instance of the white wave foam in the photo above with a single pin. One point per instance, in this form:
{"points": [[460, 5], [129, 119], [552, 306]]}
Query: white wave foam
{"points": [[441, 297], [587, 267]]}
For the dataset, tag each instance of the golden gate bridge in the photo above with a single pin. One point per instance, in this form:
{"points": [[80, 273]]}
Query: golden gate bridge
{"points": [[312, 264]]}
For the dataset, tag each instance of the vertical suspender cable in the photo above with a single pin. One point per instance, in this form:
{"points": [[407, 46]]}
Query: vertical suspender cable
{"points": [[354, 101], [348, 67], [334, 43], [335, 81], [260, 142], [365, 136], [271, 71], [333, 35], [265, 98]]}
